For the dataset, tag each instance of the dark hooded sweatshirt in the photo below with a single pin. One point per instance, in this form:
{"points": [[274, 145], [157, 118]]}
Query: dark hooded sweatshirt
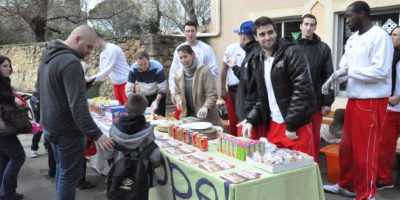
{"points": [[63, 105], [318, 55]]}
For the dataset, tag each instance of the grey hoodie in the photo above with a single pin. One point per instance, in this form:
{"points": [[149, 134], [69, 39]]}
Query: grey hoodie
{"points": [[129, 142], [61, 86]]}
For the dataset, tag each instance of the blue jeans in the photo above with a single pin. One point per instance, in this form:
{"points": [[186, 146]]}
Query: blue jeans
{"points": [[68, 153], [12, 157]]}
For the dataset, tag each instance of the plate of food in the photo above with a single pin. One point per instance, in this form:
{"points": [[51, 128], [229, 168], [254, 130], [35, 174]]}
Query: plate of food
{"points": [[199, 125]]}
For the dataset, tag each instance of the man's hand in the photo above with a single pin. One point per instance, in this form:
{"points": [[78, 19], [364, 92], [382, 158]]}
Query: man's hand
{"points": [[328, 85], [333, 79], [325, 110], [291, 135], [394, 100], [246, 128], [105, 142], [18, 102], [202, 114], [223, 93], [173, 98], [179, 104], [231, 61], [154, 105], [90, 79]]}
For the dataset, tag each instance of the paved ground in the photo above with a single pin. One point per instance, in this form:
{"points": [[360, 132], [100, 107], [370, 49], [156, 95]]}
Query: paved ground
{"points": [[34, 184]]}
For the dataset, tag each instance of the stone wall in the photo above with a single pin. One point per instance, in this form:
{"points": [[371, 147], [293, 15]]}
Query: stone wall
{"points": [[25, 58]]}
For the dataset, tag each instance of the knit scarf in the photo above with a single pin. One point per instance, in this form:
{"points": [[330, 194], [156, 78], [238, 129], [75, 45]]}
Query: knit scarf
{"points": [[189, 71]]}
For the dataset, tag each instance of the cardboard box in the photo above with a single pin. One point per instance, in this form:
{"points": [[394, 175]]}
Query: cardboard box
{"points": [[113, 113]]}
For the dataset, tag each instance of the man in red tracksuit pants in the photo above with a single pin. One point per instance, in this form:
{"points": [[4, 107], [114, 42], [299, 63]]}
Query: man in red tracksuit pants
{"points": [[281, 91], [367, 63], [391, 125]]}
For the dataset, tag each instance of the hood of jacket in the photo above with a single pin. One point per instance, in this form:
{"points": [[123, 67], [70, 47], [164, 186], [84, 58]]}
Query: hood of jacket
{"points": [[132, 141], [55, 48]]}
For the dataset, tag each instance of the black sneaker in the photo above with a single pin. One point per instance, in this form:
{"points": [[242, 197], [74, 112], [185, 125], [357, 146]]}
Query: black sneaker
{"points": [[381, 186], [84, 185]]}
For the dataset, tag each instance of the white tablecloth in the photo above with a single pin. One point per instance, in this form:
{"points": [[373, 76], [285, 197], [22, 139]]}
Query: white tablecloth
{"points": [[98, 162]]}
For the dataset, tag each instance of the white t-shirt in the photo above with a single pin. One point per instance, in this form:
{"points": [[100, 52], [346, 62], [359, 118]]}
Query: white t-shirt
{"points": [[276, 114], [113, 63], [396, 89], [369, 59], [236, 51], [204, 54]]}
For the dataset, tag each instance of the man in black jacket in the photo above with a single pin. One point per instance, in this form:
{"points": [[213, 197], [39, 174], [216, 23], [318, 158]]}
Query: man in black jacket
{"points": [[318, 55], [63, 107], [281, 92]]}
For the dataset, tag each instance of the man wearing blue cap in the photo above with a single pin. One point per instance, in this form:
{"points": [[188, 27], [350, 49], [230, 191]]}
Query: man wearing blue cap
{"points": [[235, 58]]}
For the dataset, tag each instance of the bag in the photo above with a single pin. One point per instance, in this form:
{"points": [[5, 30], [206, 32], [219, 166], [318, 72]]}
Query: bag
{"points": [[14, 120], [223, 114], [90, 148], [128, 177]]}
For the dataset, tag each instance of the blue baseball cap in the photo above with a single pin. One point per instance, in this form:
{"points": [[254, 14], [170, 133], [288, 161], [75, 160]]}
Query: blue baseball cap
{"points": [[245, 28]]}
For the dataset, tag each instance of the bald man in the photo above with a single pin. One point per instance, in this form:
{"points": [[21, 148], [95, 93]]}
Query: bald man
{"points": [[64, 109]]}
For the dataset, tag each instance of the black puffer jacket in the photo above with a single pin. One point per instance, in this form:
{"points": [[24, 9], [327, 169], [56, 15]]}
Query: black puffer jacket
{"points": [[292, 87], [318, 55], [252, 48]]}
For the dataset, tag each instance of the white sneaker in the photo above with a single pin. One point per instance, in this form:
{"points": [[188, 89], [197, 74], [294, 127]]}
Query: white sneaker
{"points": [[336, 189], [34, 154]]}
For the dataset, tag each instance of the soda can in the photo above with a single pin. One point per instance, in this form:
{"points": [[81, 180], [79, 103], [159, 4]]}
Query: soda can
{"points": [[198, 141], [173, 133], [179, 134], [137, 88], [186, 136], [204, 143], [194, 136]]}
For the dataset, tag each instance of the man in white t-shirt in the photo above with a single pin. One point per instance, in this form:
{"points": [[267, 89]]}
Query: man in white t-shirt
{"points": [[367, 63], [204, 54], [112, 64], [391, 124]]}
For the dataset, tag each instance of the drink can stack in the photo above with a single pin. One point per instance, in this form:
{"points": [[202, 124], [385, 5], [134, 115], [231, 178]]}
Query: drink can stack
{"points": [[239, 148]]}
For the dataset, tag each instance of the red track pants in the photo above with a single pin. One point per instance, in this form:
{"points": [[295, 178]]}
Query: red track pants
{"points": [[119, 93], [359, 147], [387, 149], [316, 126], [230, 106], [305, 142]]}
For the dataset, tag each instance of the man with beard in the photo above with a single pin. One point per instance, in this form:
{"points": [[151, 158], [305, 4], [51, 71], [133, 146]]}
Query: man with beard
{"points": [[281, 92]]}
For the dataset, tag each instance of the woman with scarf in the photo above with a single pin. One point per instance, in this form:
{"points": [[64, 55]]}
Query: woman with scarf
{"points": [[12, 154], [195, 88]]}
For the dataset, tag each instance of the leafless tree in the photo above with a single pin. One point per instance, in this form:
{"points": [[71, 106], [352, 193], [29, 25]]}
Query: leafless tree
{"points": [[177, 12]]}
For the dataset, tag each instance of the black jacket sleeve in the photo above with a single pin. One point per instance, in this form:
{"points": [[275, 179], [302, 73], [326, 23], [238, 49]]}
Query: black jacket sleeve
{"points": [[75, 84], [252, 103], [7, 98], [303, 98], [326, 72]]}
